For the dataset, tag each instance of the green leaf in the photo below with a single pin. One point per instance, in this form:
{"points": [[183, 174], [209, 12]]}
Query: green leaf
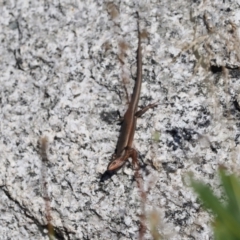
{"points": [[231, 186], [223, 216]]}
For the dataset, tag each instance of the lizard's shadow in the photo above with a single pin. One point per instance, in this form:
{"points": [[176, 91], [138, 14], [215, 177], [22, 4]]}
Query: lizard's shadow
{"points": [[106, 175]]}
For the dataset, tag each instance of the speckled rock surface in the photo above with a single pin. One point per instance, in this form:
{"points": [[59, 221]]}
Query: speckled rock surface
{"points": [[61, 78]]}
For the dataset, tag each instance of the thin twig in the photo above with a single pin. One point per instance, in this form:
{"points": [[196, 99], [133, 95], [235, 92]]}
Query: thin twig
{"points": [[43, 153]]}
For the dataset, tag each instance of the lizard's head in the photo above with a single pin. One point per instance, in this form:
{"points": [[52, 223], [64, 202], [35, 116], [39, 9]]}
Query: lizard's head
{"points": [[115, 164], [112, 168]]}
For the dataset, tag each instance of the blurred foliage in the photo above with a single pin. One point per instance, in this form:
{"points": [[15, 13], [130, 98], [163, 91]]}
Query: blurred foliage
{"points": [[226, 223], [156, 136], [155, 221]]}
